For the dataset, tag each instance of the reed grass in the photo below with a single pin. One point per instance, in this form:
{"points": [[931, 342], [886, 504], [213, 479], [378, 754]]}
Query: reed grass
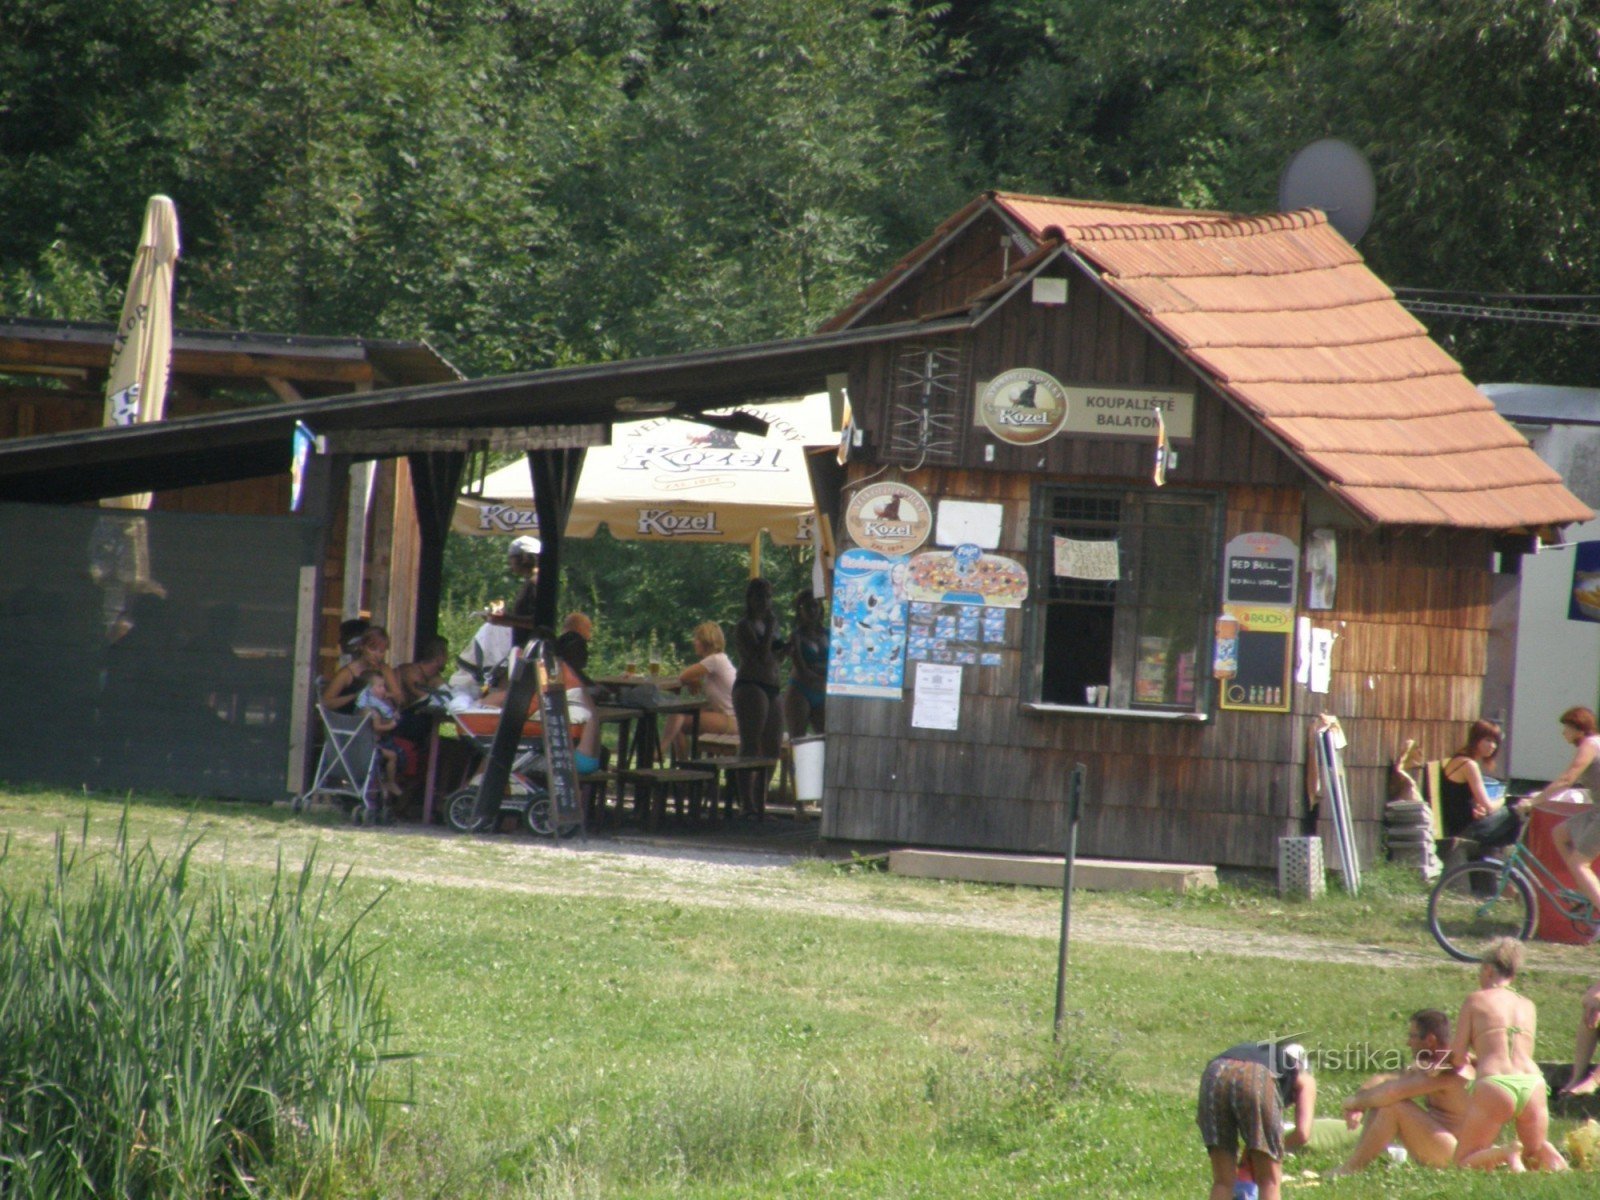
{"points": [[163, 1038]]}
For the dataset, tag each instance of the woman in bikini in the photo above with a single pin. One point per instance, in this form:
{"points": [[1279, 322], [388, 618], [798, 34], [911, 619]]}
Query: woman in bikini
{"points": [[1496, 1030]]}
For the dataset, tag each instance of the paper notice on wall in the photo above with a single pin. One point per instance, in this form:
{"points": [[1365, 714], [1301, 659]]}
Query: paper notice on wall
{"points": [[1087, 560], [1322, 659], [938, 697], [1302, 650]]}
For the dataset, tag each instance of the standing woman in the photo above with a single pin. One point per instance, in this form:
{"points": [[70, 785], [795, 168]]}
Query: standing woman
{"points": [[1577, 838], [756, 686], [1495, 1033], [804, 701], [1465, 807]]}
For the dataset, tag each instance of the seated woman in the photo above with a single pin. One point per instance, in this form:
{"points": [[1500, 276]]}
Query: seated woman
{"points": [[372, 654], [711, 675], [1465, 808], [1495, 1032]]}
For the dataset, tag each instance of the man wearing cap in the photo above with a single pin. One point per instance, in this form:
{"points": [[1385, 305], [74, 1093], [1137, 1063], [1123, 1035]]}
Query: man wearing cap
{"points": [[1243, 1093], [1421, 1107], [523, 559]]}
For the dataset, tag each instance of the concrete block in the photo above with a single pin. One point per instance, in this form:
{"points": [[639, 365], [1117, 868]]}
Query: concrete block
{"points": [[1045, 870]]}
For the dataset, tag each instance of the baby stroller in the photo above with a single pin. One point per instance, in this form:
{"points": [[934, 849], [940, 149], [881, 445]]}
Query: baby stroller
{"points": [[349, 769], [525, 794]]}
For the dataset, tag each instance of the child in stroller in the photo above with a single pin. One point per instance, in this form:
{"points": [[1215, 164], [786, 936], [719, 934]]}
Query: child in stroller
{"points": [[375, 699]]}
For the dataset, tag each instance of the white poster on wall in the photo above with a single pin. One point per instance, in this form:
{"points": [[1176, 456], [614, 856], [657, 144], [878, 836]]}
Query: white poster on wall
{"points": [[938, 697]]}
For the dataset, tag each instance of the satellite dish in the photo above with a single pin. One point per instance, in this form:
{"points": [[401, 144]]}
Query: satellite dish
{"points": [[1332, 175]]}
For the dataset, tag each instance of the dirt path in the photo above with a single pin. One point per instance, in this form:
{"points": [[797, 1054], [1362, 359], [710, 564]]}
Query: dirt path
{"points": [[618, 869]]}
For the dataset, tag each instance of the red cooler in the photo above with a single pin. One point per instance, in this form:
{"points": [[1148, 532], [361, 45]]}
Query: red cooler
{"points": [[1553, 927]]}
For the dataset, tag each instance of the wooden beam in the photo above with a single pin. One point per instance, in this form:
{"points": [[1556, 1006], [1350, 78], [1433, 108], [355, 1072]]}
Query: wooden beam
{"points": [[284, 390], [385, 442]]}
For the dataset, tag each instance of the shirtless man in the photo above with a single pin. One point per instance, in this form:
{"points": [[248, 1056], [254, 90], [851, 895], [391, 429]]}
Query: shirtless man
{"points": [[1421, 1107]]}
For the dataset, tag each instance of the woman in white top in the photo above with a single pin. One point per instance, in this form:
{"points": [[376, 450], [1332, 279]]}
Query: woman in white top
{"points": [[712, 676]]}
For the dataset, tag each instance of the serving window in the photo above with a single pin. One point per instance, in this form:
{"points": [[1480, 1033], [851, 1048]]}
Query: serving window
{"points": [[1124, 620]]}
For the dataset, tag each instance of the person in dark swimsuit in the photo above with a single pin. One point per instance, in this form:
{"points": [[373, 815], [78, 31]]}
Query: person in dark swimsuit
{"points": [[757, 685], [1466, 809], [805, 700]]}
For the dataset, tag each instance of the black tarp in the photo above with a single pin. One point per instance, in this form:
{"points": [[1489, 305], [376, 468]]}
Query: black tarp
{"points": [[149, 651]]}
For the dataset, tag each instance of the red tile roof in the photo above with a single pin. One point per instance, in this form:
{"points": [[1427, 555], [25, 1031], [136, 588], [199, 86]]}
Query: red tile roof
{"points": [[1284, 317]]}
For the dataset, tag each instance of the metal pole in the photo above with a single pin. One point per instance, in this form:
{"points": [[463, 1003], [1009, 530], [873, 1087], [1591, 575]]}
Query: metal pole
{"points": [[1074, 807]]}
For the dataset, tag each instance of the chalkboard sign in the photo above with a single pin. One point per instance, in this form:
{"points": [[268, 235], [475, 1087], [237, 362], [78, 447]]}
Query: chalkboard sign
{"points": [[521, 686], [560, 753], [1260, 568], [1260, 679]]}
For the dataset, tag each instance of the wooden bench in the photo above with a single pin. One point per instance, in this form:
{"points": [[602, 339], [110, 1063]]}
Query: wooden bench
{"points": [[719, 745], [726, 773], [652, 787]]}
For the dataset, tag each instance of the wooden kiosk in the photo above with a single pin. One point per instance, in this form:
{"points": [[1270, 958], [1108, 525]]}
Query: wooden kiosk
{"points": [[1241, 486]]}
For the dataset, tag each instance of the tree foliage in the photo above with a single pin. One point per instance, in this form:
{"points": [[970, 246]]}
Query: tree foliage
{"points": [[527, 183]]}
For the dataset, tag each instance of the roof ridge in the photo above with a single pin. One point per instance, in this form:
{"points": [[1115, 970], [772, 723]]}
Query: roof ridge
{"points": [[1302, 218], [1122, 205]]}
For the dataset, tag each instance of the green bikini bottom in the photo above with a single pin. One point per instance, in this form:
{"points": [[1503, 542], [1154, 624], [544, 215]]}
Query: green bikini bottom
{"points": [[1519, 1087]]}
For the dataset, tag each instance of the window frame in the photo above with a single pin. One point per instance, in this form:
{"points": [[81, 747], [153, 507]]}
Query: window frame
{"points": [[1126, 608]]}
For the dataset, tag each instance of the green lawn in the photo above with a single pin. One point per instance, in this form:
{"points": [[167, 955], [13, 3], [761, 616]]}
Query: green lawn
{"points": [[591, 1024]]}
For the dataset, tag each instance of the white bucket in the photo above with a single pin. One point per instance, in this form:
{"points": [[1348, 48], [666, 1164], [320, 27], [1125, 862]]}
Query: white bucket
{"points": [[808, 768]]}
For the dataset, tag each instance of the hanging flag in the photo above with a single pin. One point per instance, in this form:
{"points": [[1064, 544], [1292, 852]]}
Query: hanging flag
{"points": [[1161, 450]]}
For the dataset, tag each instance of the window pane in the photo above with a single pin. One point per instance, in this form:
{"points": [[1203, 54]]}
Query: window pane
{"points": [[1173, 556], [1080, 614]]}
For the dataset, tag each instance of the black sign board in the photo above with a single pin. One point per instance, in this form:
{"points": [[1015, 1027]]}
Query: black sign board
{"points": [[1262, 681], [1260, 569], [560, 752], [520, 690]]}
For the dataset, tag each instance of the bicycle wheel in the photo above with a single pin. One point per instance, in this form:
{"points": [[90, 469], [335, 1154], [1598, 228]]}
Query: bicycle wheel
{"points": [[1476, 902]]}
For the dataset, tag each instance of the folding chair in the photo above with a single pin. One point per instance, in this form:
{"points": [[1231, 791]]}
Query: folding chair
{"points": [[349, 767]]}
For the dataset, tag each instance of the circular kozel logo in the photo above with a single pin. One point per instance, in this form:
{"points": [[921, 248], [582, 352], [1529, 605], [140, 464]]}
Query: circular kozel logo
{"points": [[1023, 406], [891, 518]]}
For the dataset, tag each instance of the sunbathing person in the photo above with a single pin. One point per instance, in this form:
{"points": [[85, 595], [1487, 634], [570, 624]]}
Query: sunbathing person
{"points": [[1421, 1107], [1495, 1032]]}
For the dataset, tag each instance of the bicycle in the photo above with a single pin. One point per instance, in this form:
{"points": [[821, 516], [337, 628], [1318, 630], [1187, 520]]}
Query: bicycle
{"points": [[1476, 902]]}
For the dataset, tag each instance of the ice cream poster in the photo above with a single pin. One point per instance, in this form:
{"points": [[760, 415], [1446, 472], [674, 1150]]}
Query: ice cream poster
{"points": [[866, 656]]}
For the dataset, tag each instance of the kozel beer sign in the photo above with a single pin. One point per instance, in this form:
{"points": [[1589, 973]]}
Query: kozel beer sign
{"points": [[1025, 406], [1022, 406], [891, 518]]}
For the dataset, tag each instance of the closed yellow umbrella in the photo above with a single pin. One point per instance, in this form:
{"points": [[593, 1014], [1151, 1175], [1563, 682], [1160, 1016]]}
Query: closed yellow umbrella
{"points": [[141, 356]]}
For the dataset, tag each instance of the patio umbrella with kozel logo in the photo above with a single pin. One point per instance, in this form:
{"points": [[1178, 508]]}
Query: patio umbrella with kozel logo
{"points": [[667, 480], [678, 481]]}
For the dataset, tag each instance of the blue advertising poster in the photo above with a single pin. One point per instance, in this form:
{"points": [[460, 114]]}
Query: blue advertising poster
{"points": [[1584, 603], [866, 655]]}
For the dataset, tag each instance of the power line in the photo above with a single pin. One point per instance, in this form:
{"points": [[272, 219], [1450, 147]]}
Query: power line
{"points": [[1483, 312], [1579, 297]]}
